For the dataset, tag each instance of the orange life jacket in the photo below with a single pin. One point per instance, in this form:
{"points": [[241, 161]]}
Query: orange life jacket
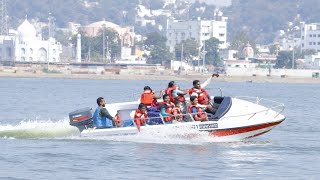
{"points": [[200, 112], [169, 91], [203, 96], [147, 99], [139, 117], [169, 108]]}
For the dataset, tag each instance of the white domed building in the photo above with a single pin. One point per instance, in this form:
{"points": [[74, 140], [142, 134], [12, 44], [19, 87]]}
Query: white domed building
{"points": [[248, 51], [24, 45]]}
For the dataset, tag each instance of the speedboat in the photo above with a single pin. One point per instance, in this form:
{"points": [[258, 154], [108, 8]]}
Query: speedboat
{"points": [[237, 118]]}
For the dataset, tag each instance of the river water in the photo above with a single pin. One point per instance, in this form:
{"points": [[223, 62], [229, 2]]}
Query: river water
{"points": [[37, 143]]}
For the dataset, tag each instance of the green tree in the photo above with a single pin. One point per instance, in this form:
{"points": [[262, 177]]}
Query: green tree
{"points": [[160, 55], [63, 37], [112, 42], [154, 39], [202, 10], [239, 41], [190, 50], [159, 52], [93, 46], [284, 60], [212, 54]]}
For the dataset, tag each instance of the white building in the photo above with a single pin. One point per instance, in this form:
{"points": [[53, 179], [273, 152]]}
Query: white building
{"points": [[228, 54], [24, 45], [310, 36], [312, 61], [287, 43], [238, 64], [200, 30]]}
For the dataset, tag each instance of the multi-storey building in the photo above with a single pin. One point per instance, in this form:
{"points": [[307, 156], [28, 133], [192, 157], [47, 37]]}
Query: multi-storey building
{"points": [[310, 36], [199, 30]]}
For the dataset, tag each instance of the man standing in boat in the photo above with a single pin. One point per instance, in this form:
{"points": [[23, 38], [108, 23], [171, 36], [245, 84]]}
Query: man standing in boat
{"points": [[101, 117], [202, 95]]}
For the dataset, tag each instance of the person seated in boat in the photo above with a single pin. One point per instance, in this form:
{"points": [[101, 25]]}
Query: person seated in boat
{"points": [[166, 109], [140, 116], [101, 116], [176, 111], [197, 113], [149, 98], [202, 95], [175, 93]]}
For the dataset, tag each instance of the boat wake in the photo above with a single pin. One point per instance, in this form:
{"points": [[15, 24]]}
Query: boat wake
{"points": [[36, 129], [47, 129]]}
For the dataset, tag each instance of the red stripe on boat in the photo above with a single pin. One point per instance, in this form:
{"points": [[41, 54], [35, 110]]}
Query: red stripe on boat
{"points": [[232, 131], [259, 134], [81, 118]]}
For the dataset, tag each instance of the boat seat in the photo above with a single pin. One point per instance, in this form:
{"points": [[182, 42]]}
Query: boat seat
{"points": [[222, 110], [154, 116]]}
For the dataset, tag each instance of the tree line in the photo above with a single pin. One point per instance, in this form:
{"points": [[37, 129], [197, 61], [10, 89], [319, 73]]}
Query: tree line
{"points": [[155, 43]]}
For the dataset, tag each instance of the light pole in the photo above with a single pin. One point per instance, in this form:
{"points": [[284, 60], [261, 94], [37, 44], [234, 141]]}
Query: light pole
{"points": [[204, 55], [49, 36], [181, 57], [108, 50], [199, 54], [293, 51], [103, 44]]}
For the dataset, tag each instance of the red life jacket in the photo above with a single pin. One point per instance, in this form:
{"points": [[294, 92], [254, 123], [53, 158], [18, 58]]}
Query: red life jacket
{"points": [[169, 91], [139, 117], [169, 108], [147, 99], [200, 112], [203, 96]]}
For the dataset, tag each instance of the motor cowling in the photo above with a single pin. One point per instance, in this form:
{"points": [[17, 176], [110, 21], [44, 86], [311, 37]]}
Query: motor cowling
{"points": [[81, 118]]}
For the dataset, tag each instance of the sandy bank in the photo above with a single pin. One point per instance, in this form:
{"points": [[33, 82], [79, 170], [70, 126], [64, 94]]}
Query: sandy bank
{"points": [[222, 78]]}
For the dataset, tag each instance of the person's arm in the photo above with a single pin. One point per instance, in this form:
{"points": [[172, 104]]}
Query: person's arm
{"points": [[194, 114], [163, 111], [179, 92], [157, 97], [105, 113], [204, 84]]}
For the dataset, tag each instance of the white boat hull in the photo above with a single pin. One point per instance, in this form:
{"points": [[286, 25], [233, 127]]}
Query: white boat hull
{"points": [[243, 120]]}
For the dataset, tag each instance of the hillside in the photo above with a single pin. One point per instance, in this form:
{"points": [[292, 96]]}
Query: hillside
{"points": [[262, 19], [259, 19]]}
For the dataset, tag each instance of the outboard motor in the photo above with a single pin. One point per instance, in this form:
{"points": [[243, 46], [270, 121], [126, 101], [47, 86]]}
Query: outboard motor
{"points": [[81, 118]]}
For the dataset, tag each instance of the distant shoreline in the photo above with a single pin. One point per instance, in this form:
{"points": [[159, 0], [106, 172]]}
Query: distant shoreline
{"points": [[222, 78]]}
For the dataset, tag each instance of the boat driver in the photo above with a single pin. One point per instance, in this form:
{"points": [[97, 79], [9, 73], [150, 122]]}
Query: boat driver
{"points": [[203, 96], [101, 117]]}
